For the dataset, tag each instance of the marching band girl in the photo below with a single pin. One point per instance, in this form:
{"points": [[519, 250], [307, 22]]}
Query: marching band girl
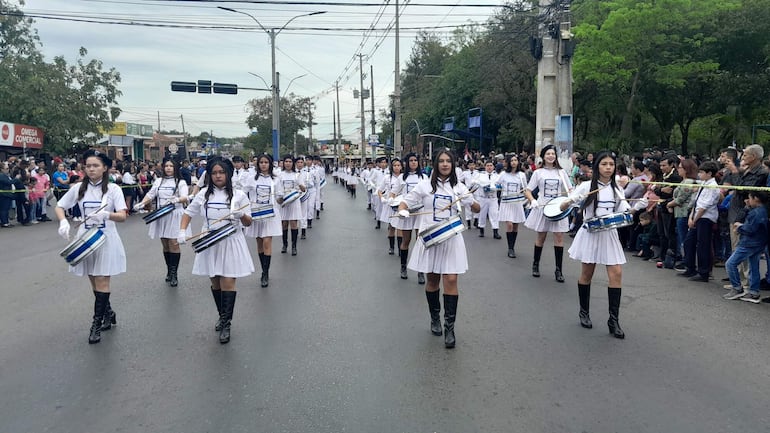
{"points": [[600, 247], [169, 189], [390, 186], [302, 171], [513, 181], [551, 181], [221, 205], [103, 205], [449, 258], [289, 180], [261, 188], [411, 177]]}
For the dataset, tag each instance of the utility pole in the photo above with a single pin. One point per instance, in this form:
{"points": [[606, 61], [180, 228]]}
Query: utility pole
{"points": [[397, 96], [553, 124], [371, 95], [334, 126], [363, 118], [184, 138], [310, 129], [338, 146]]}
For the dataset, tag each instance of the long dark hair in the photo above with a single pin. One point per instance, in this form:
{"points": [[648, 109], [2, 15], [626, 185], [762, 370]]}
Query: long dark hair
{"points": [[293, 163], [595, 179], [405, 166], [434, 171], [87, 180], [269, 168], [177, 175], [227, 166], [542, 156], [519, 165]]}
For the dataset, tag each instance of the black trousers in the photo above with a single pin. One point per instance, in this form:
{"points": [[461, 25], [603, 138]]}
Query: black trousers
{"points": [[697, 243]]}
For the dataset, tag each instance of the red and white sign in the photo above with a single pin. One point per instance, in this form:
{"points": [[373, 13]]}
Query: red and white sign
{"points": [[15, 135]]}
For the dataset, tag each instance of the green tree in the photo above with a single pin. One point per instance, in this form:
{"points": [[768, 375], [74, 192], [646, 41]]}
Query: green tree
{"points": [[69, 102], [293, 115]]}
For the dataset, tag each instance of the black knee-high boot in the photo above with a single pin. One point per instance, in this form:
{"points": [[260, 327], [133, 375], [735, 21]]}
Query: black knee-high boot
{"points": [[173, 265], [391, 244], [110, 318], [536, 261], [217, 294], [434, 306], [450, 313], [294, 234], [100, 306], [303, 234], [168, 268], [614, 293], [584, 295], [403, 256], [511, 238], [285, 239], [399, 239], [228, 304], [559, 255]]}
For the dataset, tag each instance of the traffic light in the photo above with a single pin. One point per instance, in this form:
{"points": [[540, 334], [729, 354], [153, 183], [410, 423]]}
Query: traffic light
{"points": [[227, 89], [183, 86], [204, 86]]}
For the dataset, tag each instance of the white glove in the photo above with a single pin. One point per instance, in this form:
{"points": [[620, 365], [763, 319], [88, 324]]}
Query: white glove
{"points": [[174, 200], [99, 217], [64, 229], [533, 204], [181, 237], [578, 198], [404, 213], [235, 212], [139, 206]]}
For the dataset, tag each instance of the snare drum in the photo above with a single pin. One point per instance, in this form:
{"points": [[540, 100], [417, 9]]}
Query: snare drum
{"points": [[552, 210], [159, 213], [304, 196], [609, 222], [262, 212], [82, 247], [323, 182], [395, 202], [442, 231], [290, 197], [212, 238]]}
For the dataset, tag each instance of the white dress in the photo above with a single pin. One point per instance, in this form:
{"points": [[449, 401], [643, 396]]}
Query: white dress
{"points": [[512, 197], [110, 258], [550, 183], [286, 182], [162, 191], [229, 257], [408, 223], [448, 257], [261, 192], [392, 185], [602, 247]]}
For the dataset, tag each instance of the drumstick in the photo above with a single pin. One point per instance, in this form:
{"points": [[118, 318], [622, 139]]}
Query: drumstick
{"points": [[218, 220], [92, 214], [439, 210]]}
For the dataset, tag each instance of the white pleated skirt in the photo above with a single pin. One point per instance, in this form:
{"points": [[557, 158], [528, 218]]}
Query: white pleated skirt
{"points": [[108, 260], [292, 211], [538, 222], [229, 257], [404, 223], [601, 248], [265, 228], [448, 257], [168, 226], [512, 212], [386, 212]]}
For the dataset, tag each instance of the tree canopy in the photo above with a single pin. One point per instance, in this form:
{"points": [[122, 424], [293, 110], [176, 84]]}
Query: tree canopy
{"points": [[68, 101]]}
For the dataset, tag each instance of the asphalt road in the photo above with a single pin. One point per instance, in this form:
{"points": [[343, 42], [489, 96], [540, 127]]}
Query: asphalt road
{"points": [[339, 343]]}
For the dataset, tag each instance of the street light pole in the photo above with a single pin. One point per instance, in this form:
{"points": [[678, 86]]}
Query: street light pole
{"points": [[272, 33]]}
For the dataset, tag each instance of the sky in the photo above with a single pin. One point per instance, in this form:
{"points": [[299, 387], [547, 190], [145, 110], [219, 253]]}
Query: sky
{"points": [[322, 47]]}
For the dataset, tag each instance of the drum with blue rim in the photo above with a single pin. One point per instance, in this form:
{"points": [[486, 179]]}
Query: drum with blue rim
{"points": [[290, 197], [213, 237], [159, 213], [262, 211], [609, 222], [552, 210], [442, 231], [82, 247]]}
